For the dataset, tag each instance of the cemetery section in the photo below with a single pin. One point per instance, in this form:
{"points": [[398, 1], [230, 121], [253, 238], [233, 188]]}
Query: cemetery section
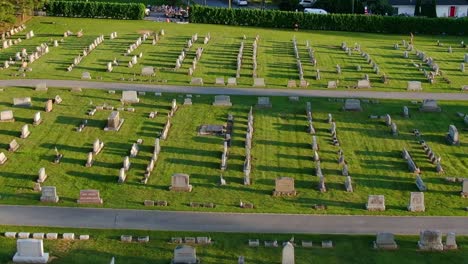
{"points": [[381, 158], [208, 55], [64, 245]]}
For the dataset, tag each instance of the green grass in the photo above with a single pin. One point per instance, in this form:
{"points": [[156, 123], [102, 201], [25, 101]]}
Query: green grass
{"points": [[281, 147], [276, 62], [105, 244]]}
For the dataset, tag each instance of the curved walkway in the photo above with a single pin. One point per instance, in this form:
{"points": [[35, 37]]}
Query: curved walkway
{"points": [[224, 222], [237, 91]]}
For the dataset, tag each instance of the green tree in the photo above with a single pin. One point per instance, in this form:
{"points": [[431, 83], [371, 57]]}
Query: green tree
{"points": [[340, 6], [425, 8], [380, 7], [7, 14]]}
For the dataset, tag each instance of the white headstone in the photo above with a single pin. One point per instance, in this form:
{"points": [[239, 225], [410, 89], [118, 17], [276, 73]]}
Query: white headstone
{"points": [[288, 254]]}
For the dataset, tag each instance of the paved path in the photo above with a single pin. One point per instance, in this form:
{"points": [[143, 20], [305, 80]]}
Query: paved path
{"points": [[238, 91], [224, 222]]}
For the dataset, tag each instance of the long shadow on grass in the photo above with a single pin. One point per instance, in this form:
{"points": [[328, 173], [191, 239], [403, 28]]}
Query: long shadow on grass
{"points": [[93, 176], [206, 164], [61, 147]]}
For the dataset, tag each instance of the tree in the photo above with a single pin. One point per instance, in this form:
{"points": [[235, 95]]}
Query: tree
{"points": [[7, 14], [287, 5], [380, 7], [340, 6], [425, 8]]}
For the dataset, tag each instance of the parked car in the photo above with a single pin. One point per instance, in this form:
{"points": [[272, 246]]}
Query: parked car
{"points": [[240, 2], [315, 11], [306, 3]]}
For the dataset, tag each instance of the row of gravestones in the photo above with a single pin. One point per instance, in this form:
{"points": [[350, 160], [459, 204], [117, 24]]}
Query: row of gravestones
{"points": [[77, 60], [248, 147], [226, 145], [8, 116], [377, 202], [254, 56], [32, 250], [428, 240], [198, 54], [298, 60]]}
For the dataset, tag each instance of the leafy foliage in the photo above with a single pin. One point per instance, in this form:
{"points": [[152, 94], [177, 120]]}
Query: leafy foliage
{"points": [[96, 9], [336, 22]]}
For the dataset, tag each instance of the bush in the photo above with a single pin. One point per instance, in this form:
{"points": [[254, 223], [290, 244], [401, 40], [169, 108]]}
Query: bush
{"points": [[96, 9], [337, 22]]}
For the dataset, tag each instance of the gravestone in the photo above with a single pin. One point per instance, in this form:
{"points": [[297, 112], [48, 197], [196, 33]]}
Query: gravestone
{"points": [[352, 105], [429, 105], [375, 203], [430, 240], [452, 136], [41, 87], [89, 197], [122, 175], [388, 120], [98, 145], [147, 71], [196, 81], [49, 106], [451, 241], [288, 254], [284, 186], [37, 120], [385, 241], [86, 76], [114, 122], [49, 194], [292, 84], [232, 81], [188, 101], [13, 146], [464, 192], [219, 81], [263, 102], [414, 86], [129, 97], [7, 116], [23, 102], [3, 158], [420, 184], [349, 184], [30, 251], [58, 99], [184, 254], [180, 183], [394, 129], [259, 82], [405, 112], [222, 100], [89, 160], [332, 84], [42, 176], [134, 150], [362, 84], [126, 163], [416, 202]]}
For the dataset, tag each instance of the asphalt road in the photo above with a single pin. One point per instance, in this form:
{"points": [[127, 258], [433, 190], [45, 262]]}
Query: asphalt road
{"points": [[224, 222], [237, 91]]}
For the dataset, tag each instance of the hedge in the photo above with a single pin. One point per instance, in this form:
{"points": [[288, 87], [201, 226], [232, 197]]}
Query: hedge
{"points": [[336, 22], [145, 2], [96, 9]]}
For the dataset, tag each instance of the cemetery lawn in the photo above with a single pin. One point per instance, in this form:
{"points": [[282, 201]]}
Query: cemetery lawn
{"points": [[276, 61], [281, 147], [226, 247]]}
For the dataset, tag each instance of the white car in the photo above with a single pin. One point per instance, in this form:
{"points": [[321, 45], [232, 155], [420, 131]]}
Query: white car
{"points": [[315, 11], [306, 3], [240, 2]]}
